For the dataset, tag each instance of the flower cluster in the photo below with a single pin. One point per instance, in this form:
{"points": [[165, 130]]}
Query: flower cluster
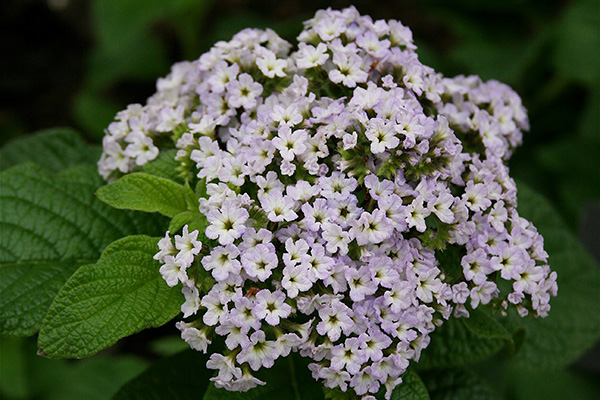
{"points": [[335, 177]]}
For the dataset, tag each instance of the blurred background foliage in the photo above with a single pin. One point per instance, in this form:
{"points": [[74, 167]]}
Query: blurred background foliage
{"points": [[77, 62]]}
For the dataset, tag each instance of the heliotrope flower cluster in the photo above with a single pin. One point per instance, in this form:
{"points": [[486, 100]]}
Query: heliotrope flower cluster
{"points": [[336, 175]]}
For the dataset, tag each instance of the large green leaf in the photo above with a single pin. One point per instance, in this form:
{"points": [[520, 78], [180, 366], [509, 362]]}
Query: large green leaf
{"points": [[453, 344], [123, 293], [411, 388], [502, 51], [96, 378], [573, 324], [52, 149], [51, 224], [575, 166], [552, 385], [577, 53], [485, 326], [164, 166], [145, 192], [13, 369], [183, 376], [457, 384], [289, 379], [25, 375]]}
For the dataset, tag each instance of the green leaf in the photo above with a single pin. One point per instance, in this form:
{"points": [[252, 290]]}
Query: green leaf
{"points": [[97, 378], [578, 40], [129, 44], [553, 385], [485, 326], [590, 120], [120, 295], [52, 149], [411, 388], [164, 166], [450, 263], [13, 369], [573, 324], [123, 21], [166, 346], [25, 375], [51, 224], [92, 112], [289, 378], [140, 59], [503, 51], [575, 167], [193, 219], [145, 192], [453, 344], [457, 384], [183, 376]]}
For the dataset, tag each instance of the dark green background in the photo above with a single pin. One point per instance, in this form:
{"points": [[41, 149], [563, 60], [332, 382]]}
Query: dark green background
{"points": [[76, 63]]}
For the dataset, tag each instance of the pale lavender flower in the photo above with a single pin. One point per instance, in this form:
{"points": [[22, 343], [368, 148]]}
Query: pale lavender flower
{"points": [[173, 271], [269, 64], [271, 306], [259, 261], [372, 227], [166, 248], [193, 336], [290, 144], [296, 279], [216, 308], [382, 135], [222, 262], [310, 56], [226, 366], [259, 353], [243, 92], [278, 207], [226, 223], [335, 319]]}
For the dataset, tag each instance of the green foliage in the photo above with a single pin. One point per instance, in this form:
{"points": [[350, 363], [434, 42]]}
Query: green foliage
{"points": [[51, 224], [411, 388], [121, 294], [24, 375], [576, 166], [453, 344], [193, 219], [13, 368], [52, 149], [183, 376], [96, 378], [485, 326], [483, 51], [578, 32], [573, 324], [553, 385], [93, 112], [457, 384], [165, 346], [164, 166], [145, 192]]}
